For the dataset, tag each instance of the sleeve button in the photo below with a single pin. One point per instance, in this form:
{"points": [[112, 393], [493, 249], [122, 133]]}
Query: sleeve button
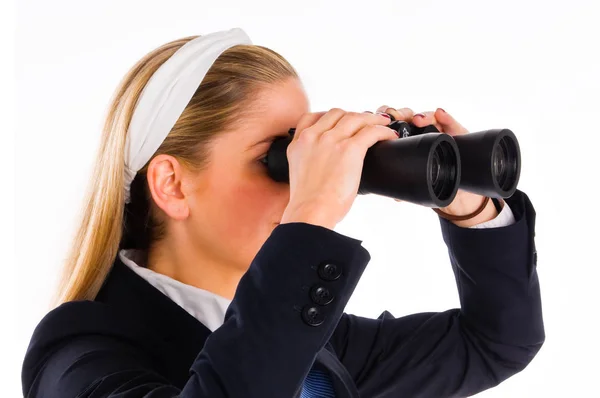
{"points": [[321, 295], [329, 271], [312, 316]]}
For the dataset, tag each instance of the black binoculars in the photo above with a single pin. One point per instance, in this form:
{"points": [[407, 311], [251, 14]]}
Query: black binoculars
{"points": [[427, 167]]}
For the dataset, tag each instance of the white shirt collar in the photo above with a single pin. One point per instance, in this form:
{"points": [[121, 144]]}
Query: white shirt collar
{"points": [[207, 307]]}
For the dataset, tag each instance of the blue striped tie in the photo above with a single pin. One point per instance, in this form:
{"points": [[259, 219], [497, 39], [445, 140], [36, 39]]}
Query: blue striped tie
{"points": [[317, 385]]}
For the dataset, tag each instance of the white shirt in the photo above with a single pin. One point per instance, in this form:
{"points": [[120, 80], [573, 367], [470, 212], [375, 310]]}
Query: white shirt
{"points": [[208, 307]]}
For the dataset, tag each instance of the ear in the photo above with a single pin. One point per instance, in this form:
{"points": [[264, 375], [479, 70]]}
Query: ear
{"points": [[165, 176]]}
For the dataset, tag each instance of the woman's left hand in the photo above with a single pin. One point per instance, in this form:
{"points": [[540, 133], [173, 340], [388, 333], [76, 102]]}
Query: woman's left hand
{"points": [[465, 202]]}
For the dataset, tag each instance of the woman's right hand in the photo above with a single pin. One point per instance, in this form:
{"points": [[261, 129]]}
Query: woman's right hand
{"points": [[325, 158]]}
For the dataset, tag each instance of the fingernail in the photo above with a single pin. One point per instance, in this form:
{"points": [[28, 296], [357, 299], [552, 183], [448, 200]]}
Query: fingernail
{"points": [[419, 114], [442, 110], [384, 114], [367, 112]]}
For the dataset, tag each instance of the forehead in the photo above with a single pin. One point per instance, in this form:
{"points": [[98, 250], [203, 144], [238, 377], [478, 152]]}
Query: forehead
{"points": [[276, 109]]}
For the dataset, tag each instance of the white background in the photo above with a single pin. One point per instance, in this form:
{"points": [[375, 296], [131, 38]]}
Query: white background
{"points": [[531, 66]]}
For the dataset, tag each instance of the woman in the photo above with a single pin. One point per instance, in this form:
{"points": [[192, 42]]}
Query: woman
{"points": [[194, 274]]}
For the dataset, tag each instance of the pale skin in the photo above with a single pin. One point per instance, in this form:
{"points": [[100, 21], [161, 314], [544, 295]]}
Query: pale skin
{"points": [[218, 219]]}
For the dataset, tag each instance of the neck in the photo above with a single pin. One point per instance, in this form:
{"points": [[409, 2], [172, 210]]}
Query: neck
{"points": [[195, 266]]}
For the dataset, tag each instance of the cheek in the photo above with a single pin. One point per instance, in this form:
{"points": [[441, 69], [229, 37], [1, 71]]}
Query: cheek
{"points": [[248, 206], [242, 216]]}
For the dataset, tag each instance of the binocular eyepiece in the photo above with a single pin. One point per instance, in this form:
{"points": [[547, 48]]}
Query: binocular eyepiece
{"points": [[426, 167]]}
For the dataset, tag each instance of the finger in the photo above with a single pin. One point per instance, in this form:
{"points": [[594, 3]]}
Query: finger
{"points": [[448, 123], [406, 114], [423, 119], [371, 134], [307, 120], [313, 125], [401, 114], [352, 122]]}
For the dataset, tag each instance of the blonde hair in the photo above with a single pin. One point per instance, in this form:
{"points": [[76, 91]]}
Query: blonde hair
{"points": [[106, 224]]}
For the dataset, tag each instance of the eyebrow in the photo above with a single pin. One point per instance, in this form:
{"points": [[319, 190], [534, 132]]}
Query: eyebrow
{"points": [[270, 138]]}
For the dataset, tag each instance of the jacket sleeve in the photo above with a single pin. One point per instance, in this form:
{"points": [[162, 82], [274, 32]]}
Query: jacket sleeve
{"points": [[494, 334], [265, 348]]}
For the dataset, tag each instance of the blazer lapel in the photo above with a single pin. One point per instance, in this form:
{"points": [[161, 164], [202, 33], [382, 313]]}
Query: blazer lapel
{"points": [[180, 335]]}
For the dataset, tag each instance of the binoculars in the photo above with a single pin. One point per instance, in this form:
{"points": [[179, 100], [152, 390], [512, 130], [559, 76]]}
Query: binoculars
{"points": [[427, 167]]}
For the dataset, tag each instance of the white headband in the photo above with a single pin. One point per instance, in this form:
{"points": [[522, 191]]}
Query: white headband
{"points": [[168, 92]]}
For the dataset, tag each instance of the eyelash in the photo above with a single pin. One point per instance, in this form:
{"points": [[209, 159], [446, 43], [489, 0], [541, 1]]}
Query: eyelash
{"points": [[262, 160]]}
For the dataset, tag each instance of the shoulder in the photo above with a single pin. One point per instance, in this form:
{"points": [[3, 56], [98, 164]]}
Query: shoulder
{"points": [[82, 317], [73, 322], [72, 319]]}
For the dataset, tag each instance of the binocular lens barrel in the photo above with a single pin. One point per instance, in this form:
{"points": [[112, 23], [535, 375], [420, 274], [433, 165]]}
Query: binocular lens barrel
{"points": [[490, 160], [423, 169]]}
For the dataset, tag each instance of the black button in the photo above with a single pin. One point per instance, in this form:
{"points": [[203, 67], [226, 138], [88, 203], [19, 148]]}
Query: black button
{"points": [[329, 271], [312, 316], [321, 295]]}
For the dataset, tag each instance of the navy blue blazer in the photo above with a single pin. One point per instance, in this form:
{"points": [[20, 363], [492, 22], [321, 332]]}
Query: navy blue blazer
{"points": [[288, 315]]}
